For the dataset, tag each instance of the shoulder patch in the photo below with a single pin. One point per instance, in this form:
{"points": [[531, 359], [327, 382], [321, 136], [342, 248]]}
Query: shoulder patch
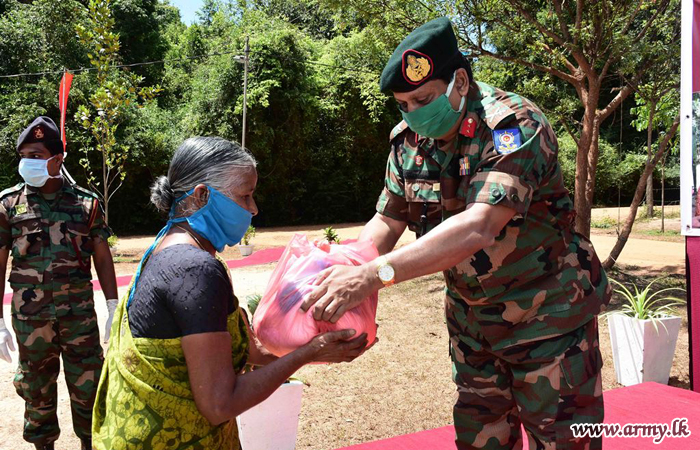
{"points": [[398, 129], [83, 191], [507, 140], [14, 189], [495, 113]]}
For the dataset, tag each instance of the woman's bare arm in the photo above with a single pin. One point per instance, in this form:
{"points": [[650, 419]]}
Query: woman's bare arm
{"points": [[221, 395]]}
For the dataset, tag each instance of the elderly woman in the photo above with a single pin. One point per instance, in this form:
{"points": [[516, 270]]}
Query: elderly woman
{"points": [[172, 379]]}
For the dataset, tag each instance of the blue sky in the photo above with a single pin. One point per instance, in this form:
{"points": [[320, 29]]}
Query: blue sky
{"points": [[188, 9]]}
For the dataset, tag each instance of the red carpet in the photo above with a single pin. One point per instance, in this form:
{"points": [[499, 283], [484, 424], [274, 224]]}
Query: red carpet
{"points": [[646, 403], [266, 256], [692, 252]]}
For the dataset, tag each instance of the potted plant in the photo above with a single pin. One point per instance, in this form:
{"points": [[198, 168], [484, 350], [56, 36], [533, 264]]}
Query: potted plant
{"points": [[643, 334], [282, 408], [112, 241], [330, 235], [245, 246]]}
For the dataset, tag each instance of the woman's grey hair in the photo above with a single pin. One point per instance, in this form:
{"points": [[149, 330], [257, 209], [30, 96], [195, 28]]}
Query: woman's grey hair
{"points": [[211, 161]]}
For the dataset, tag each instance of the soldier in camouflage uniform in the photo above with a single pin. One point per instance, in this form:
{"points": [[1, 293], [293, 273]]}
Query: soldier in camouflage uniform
{"points": [[52, 229], [476, 169]]}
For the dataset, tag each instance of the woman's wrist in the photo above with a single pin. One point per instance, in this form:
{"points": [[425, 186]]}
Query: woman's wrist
{"points": [[308, 352]]}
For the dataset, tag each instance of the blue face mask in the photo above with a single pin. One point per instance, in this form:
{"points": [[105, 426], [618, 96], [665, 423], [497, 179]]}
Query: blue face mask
{"points": [[221, 221], [35, 172]]}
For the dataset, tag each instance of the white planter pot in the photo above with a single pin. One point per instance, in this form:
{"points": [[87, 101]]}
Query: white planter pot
{"points": [[246, 250], [642, 352], [273, 424]]}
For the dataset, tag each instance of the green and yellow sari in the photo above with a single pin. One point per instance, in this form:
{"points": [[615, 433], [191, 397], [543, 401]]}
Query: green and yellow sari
{"points": [[144, 400]]}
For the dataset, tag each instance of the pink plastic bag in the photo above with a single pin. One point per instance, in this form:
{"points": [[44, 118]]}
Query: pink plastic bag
{"points": [[278, 322]]}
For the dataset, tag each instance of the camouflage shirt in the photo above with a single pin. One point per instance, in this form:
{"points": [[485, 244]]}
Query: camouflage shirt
{"points": [[540, 279], [51, 243]]}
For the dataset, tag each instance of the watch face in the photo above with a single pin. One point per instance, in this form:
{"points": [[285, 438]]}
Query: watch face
{"points": [[386, 273]]}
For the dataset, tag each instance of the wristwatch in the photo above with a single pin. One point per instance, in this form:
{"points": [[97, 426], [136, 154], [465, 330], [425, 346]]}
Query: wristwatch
{"points": [[385, 271]]}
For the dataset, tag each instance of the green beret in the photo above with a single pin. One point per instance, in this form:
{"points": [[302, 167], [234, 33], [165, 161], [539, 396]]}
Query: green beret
{"points": [[420, 57]]}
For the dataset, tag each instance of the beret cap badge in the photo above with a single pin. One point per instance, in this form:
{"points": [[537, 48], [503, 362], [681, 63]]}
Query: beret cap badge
{"points": [[417, 66], [38, 133]]}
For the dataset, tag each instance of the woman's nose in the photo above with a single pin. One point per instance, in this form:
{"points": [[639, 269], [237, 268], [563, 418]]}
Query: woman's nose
{"points": [[252, 207]]}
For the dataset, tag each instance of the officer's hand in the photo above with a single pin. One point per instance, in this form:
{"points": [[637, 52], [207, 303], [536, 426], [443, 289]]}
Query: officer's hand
{"points": [[111, 307], [341, 288], [7, 344]]}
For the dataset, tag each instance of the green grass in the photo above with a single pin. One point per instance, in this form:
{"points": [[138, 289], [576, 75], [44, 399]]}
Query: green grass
{"points": [[668, 214], [123, 259], [605, 223], [659, 233]]}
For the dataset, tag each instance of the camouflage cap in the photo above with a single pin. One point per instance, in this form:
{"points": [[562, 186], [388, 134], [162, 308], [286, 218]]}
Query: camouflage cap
{"points": [[42, 130], [420, 56]]}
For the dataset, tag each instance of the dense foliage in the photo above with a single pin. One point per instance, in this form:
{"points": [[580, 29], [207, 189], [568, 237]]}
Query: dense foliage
{"points": [[317, 122]]}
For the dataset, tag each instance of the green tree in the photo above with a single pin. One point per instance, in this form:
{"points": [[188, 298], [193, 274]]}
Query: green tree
{"points": [[115, 94], [582, 43]]}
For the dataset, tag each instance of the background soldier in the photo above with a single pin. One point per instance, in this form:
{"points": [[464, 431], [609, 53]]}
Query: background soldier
{"points": [[523, 289], [53, 229]]}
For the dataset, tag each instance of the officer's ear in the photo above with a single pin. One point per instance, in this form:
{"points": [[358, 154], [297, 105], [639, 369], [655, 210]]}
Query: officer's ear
{"points": [[55, 164], [462, 81]]}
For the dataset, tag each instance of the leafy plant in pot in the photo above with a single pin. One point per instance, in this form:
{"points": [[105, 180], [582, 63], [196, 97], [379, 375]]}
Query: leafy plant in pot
{"points": [[643, 333], [282, 409], [245, 246]]}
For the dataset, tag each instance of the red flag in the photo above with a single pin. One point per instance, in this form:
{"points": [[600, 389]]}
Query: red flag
{"points": [[63, 91]]}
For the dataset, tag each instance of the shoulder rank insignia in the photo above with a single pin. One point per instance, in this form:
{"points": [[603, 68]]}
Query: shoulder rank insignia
{"points": [[506, 141], [468, 128], [20, 209]]}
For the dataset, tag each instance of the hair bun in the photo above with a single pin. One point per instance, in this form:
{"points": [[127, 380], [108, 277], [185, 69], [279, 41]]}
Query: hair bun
{"points": [[162, 195]]}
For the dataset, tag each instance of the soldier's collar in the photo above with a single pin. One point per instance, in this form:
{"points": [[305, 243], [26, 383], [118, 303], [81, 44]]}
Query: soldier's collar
{"points": [[66, 188]]}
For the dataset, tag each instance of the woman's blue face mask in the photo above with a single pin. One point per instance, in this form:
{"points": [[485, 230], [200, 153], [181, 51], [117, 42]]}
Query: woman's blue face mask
{"points": [[221, 221]]}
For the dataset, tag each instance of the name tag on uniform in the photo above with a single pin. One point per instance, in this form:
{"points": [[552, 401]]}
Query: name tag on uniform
{"points": [[436, 187], [506, 141]]}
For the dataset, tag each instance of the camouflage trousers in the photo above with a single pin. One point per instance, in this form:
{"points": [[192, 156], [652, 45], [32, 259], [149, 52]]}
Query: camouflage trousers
{"points": [[545, 386], [76, 338]]}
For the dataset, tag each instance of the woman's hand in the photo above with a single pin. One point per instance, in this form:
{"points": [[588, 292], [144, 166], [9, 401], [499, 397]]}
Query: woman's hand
{"points": [[334, 346]]}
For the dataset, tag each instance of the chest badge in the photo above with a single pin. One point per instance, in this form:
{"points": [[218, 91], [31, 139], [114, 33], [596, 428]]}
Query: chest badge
{"points": [[21, 209], [419, 160], [506, 141], [464, 166]]}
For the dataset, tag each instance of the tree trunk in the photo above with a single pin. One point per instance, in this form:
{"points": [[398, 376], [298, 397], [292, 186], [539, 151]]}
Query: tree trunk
{"points": [[638, 194], [105, 185], [592, 162], [581, 203], [650, 179], [663, 196]]}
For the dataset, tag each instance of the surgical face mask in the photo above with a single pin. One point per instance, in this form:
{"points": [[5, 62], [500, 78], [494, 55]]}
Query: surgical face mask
{"points": [[436, 118], [221, 221], [35, 171]]}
